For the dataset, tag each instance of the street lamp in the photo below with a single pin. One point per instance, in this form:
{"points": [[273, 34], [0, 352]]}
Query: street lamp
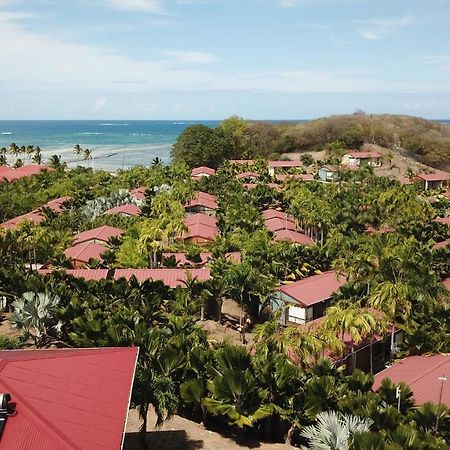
{"points": [[442, 379]]}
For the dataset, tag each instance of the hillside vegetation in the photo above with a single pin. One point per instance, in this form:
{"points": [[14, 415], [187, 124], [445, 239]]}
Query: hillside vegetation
{"points": [[423, 140]]}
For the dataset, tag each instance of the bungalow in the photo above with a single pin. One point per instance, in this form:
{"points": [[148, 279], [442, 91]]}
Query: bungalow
{"points": [[204, 219], [65, 398], [139, 193], [433, 180], [362, 159], [328, 173], [311, 297], [128, 210], [274, 165], [295, 237], [202, 203], [170, 277], [199, 172], [276, 224], [273, 213], [427, 376], [80, 254], [200, 229], [99, 235]]}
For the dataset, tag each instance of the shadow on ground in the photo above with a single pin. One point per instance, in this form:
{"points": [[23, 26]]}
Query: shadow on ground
{"points": [[167, 440]]}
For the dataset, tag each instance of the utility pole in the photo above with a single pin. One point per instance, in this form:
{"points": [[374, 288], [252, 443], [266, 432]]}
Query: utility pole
{"points": [[442, 379], [398, 397]]}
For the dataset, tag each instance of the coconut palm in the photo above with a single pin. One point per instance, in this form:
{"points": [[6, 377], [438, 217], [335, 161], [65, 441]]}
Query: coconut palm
{"points": [[36, 315], [334, 431]]}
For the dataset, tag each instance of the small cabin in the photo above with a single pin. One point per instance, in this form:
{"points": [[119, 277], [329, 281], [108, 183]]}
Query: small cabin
{"points": [[362, 159], [430, 181]]}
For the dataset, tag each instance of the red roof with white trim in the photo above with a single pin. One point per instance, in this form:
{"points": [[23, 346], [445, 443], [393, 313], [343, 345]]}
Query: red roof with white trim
{"points": [[67, 398], [421, 374], [202, 171], [102, 234], [128, 210], [170, 277], [314, 289], [272, 213], [294, 237], [85, 252], [438, 176]]}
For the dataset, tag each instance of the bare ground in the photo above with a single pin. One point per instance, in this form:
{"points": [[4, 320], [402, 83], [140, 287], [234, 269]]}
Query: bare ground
{"points": [[182, 434]]}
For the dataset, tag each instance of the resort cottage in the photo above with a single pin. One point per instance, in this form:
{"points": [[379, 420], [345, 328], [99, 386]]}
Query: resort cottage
{"points": [[362, 159], [202, 203], [436, 180]]}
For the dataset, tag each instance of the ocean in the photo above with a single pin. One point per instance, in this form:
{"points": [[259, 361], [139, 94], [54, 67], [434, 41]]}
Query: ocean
{"points": [[115, 144]]}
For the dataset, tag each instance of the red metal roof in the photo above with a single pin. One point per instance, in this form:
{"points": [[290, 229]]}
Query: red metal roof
{"points": [[7, 173], [56, 205], [442, 244], [364, 155], [99, 234], [277, 224], [293, 236], [200, 230], [199, 218], [272, 213], [315, 289], [444, 220], [421, 374], [446, 283], [438, 176], [85, 251], [247, 174], [296, 176], [289, 163], [170, 277], [86, 274], [139, 193], [67, 398], [202, 199], [11, 174], [203, 170], [129, 210]]}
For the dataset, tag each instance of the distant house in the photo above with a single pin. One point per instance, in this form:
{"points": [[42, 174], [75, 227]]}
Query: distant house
{"points": [[200, 229], [328, 173], [99, 235], [36, 216], [202, 203], [170, 277], [273, 213], [80, 254], [276, 224], [423, 374], [249, 175], [139, 193], [362, 159], [128, 210], [433, 180], [199, 172], [66, 398], [274, 165], [294, 237], [310, 297]]}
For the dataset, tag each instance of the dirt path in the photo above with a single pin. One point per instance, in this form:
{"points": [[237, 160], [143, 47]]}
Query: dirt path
{"points": [[182, 434]]}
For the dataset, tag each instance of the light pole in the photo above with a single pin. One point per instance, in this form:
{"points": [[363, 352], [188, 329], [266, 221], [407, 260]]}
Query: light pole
{"points": [[442, 379]]}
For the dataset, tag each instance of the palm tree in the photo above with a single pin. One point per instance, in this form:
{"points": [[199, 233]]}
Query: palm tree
{"points": [[334, 431], [36, 315], [55, 161], [37, 157], [77, 150]]}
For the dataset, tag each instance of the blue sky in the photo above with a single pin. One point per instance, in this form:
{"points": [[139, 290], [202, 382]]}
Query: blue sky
{"points": [[209, 59]]}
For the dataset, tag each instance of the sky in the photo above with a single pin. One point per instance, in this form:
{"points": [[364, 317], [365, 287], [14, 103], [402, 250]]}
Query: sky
{"points": [[210, 59]]}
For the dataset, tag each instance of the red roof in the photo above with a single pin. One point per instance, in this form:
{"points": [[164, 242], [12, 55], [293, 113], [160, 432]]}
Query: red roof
{"points": [[99, 234], [203, 199], [277, 224], [7, 173], [86, 274], [67, 398], [139, 193], [442, 244], [272, 213], [204, 219], [315, 289], [200, 230], [170, 277], [364, 155], [289, 163], [203, 170], [247, 174], [85, 251], [446, 283], [11, 174], [56, 205], [293, 236], [421, 374], [438, 176], [129, 210], [182, 260], [296, 176], [444, 220]]}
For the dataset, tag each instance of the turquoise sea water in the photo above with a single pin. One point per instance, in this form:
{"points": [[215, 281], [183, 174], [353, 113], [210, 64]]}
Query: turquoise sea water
{"points": [[115, 144]]}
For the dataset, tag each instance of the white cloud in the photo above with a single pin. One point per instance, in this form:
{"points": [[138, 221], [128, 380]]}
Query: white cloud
{"points": [[151, 6], [373, 29]]}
